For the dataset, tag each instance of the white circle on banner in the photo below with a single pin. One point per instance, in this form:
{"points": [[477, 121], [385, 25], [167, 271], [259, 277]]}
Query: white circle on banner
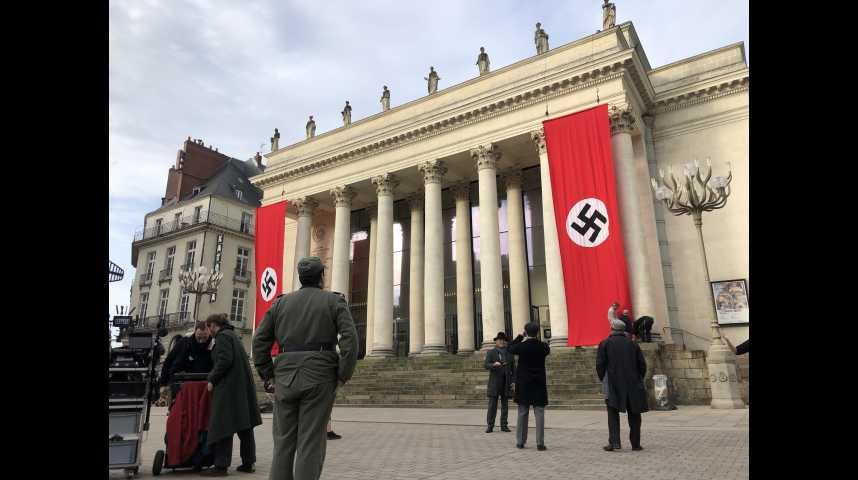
{"points": [[268, 284], [587, 223]]}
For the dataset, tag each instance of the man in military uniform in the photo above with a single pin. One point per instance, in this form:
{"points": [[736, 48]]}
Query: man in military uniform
{"points": [[306, 372]]}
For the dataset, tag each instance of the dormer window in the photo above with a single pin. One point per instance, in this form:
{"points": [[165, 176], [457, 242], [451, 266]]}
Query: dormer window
{"points": [[239, 194], [197, 190]]}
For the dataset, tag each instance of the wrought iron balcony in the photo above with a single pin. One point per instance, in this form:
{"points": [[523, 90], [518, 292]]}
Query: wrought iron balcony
{"points": [[170, 320], [146, 279], [205, 217], [166, 275]]}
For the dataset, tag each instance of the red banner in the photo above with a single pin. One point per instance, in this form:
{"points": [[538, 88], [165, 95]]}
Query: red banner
{"points": [[270, 225], [588, 221]]}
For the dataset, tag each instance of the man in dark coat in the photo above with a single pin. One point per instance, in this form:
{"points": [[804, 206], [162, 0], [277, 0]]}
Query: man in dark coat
{"points": [[621, 368], [501, 366], [530, 385], [305, 325], [190, 355], [234, 409]]}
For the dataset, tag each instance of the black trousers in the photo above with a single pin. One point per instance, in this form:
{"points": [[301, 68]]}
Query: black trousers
{"points": [[614, 426], [223, 449], [493, 410]]}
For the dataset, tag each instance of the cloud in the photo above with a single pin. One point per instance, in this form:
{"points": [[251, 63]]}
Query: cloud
{"points": [[229, 72]]}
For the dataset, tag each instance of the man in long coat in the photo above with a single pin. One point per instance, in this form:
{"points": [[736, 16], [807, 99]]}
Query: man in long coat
{"points": [[305, 325], [621, 368], [530, 386], [501, 365], [234, 409]]}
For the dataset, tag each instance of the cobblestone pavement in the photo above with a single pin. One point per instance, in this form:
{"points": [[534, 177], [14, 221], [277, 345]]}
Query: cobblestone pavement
{"points": [[450, 444]]}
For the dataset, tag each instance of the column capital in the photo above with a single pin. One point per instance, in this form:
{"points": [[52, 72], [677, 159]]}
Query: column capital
{"points": [[486, 156], [343, 195], [433, 171], [384, 184], [461, 190], [415, 200], [304, 206], [511, 178], [538, 137], [621, 118]]}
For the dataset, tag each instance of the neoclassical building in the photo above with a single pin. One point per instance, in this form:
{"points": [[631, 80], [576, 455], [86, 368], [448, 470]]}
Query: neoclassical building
{"points": [[433, 217]]}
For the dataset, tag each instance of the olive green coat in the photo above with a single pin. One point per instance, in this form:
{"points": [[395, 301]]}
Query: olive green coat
{"points": [[234, 407]]}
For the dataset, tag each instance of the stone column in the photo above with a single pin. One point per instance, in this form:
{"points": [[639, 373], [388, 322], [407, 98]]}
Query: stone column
{"points": [[370, 284], [631, 213], [464, 269], [519, 286], [553, 266], [433, 285], [382, 344], [305, 207], [491, 282], [416, 327], [342, 197]]}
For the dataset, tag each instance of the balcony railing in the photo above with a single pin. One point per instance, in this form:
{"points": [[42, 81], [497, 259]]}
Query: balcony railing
{"points": [[243, 275], [145, 279], [171, 320], [234, 224], [166, 275]]}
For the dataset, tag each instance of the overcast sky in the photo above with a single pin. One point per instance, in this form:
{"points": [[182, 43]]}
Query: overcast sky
{"points": [[230, 71]]}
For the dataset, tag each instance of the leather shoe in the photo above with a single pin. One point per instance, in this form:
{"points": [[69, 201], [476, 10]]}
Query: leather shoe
{"points": [[518, 445], [610, 448], [245, 468], [215, 472], [333, 436], [505, 429], [489, 429], [541, 448], [638, 448]]}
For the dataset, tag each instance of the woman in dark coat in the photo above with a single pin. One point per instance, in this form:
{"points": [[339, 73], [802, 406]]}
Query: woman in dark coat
{"points": [[234, 408], [621, 368], [530, 386]]}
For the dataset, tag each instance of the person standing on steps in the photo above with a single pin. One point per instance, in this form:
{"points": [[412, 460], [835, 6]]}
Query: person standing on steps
{"points": [[501, 365]]}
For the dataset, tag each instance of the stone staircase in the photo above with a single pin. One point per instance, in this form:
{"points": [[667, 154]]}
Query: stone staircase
{"points": [[460, 382]]}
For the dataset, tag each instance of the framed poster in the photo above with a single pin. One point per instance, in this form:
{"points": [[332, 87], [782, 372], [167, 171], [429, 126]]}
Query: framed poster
{"points": [[731, 301]]}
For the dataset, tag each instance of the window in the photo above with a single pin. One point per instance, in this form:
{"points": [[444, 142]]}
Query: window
{"points": [[150, 267], [246, 222], [197, 211], [171, 255], [191, 253], [236, 313], [197, 191], [158, 227], [241, 262], [144, 304], [183, 306], [239, 194], [177, 218], [162, 307]]}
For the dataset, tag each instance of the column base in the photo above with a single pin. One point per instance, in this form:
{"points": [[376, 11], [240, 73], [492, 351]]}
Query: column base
{"points": [[381, 352], [723, 380], [558, 342], [434, 350]]}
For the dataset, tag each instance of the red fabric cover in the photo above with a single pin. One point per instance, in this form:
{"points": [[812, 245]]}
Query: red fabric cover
{"points": [[188, 417], [270, 232], [581, 164]]}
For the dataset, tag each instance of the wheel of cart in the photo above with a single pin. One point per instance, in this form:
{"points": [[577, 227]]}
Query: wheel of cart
{"points": [[158, 463]]}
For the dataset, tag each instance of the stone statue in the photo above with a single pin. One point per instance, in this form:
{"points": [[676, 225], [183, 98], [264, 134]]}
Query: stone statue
{"points": [[433, 80], [609, 15], [483, 61], [541, 39], [275, 141], [385, 99], [311, 128], [347, 115]]}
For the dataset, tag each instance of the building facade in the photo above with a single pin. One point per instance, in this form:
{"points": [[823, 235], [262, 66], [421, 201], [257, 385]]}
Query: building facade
{"points": [[395, 204], [206, 220]]}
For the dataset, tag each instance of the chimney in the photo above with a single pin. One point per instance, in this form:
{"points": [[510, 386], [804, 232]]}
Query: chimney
{"points": [[258, 159]]}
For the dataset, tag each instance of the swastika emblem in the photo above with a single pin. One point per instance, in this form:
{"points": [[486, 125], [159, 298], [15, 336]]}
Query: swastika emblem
{"points": [[587, 223], [268, 284]]}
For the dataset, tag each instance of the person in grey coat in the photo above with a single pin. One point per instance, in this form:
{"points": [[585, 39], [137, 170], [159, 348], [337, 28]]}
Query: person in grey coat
{"points": [[621, 368], [501, 365], [234, 409], [531, 388], [305, 325]]}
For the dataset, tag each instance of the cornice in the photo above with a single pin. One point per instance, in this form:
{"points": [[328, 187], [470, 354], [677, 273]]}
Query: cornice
{"points": [[702, 95], [427, 131]]}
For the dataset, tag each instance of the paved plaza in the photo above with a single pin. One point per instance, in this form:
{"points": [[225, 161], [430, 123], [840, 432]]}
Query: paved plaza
{"points": [[693, 442]]}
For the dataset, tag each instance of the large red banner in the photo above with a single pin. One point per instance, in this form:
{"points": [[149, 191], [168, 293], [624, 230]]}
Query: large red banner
{"points": [[588, 221], [270, 224]]}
